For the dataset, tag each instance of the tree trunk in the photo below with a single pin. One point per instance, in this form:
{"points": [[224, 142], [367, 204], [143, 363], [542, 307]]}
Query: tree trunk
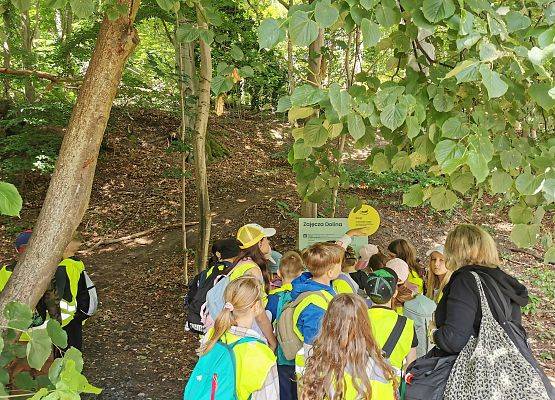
{"points": [[6, 52], [309, 209], [290, 71], [27, 57], [70, 187], [199, 147]]}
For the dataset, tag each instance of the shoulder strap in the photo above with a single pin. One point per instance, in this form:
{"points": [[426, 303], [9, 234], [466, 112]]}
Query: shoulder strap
{"points": [[246, 339], [304, 295], [504, 309], [394, 336]]}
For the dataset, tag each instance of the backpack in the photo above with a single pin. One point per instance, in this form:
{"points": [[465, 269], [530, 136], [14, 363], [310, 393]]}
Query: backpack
{"points": [[421, 311], [213, 378], [284, 299], [286, 336], [88, 308], [196, 296]]}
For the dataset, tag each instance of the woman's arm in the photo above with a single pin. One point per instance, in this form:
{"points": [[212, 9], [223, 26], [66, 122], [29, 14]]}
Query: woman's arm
{"points": [[266, 327], [462, 304]]}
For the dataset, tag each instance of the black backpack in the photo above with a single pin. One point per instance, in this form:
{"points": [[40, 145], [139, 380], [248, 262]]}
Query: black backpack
{"points": [[196, 295]]}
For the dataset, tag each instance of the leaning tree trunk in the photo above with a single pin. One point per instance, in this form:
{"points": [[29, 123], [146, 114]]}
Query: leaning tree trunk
{"points": [[199, 147], [27, 39], [309, 209], [70, 187]]}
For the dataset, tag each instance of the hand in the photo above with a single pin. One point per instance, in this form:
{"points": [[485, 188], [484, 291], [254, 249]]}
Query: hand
{"points": [[272, 344], [357, 232]]}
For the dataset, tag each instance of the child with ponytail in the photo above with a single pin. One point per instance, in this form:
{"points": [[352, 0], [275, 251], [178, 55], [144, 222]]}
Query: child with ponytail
{"points": [[256, 375], [345, 362]]}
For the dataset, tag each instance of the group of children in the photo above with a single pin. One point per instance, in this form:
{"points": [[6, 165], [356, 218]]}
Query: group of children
{"points": [[325, 324]]}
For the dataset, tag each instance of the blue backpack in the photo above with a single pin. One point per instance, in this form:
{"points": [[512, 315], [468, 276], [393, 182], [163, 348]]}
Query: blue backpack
{"points": [[214, 375]]}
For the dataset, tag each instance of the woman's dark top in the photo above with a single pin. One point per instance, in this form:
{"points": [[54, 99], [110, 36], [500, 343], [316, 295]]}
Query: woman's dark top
{"points": [[458, 314]]}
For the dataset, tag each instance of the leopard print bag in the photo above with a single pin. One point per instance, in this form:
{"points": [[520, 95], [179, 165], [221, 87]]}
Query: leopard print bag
{"points": [[490, 367]]}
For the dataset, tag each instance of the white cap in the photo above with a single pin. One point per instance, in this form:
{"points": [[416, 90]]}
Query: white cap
{"points": [[438, 248], [367, 251], [400, 267], [268, 232]]}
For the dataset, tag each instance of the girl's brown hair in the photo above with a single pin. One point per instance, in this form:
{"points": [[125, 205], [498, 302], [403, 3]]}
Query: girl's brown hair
{"points": [[434, 284], [377, 261], [404, 250], [345, 343], [404, 294], [258, 258], [242, 293], [470, 245]]}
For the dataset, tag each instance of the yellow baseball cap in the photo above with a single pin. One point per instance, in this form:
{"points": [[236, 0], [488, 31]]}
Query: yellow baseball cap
{"points": [[251, 234]]}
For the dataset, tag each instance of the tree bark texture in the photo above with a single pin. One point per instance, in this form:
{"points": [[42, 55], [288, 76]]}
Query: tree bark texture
{"points": [[199, 147], [70, 187]]}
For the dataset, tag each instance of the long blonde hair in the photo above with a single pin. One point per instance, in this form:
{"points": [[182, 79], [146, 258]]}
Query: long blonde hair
{"points": [[470, 245], [434, 284], [241, 295], [345, 342]]}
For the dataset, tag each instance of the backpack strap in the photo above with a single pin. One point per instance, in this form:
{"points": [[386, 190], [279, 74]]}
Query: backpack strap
{"points": [[246, 339], [394, 336], [503, 309]]}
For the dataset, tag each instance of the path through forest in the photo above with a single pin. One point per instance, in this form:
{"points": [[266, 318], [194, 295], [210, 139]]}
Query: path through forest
{"points": [[135, 346]]}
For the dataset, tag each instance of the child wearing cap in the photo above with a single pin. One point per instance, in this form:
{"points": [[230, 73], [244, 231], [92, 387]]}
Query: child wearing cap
{"points": [[405, 250], [438, 274], [387, 325], [291, 267]]}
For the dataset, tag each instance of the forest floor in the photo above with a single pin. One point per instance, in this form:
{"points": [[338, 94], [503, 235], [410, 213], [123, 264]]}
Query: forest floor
{"points": [[135, 346]]}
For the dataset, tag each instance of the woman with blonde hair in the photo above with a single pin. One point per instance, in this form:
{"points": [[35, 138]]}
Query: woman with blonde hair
{"points": [[256, 375], [438, 274], [345, 361]]}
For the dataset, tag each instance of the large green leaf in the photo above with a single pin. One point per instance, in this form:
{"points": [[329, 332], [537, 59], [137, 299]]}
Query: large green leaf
{"points": [[301, 151], [302, 29], [236, 53], [443, 199], [437, 10], [549, 190], [269, 33], [495, 86], [355, 125], [528, 184], [10, 200], [221, 84], [488, 52], [296, 113], [453, 128], [449, 155], [462, 69], [314, 134], [56, 333], [462, 182], [500, 182], [38, 348], [340, 100], [520, 214], [19, 315], [539, 92], [413, 127], [387, 16], [510, 159], [370, 33], [443, 102], [380, 163], [325, 14], [516, 21], [22, 5], [284, 104], [306, 95], [525, 235], [166, 5], [401, 162], [394, 115], [187, 33], [478, 166], [414, 196]]}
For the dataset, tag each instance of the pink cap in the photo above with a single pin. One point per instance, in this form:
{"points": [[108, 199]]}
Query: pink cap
{"points": [[367, 251], [400, 267]]}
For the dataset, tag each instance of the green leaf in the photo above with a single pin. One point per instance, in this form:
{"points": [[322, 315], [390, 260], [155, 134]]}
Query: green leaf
{"points": [[19, 315], [516, 21], [549, 256], [500, 182], [525, 235], [467, 42], [301, 151], [387, 16], [296, 113], [478, 166], [314, 134], [527, 184], [284, 104], [462, 68], [443, 102], [302, 29], [520, 214], [401, 162], [488, 52], [38, 348], [437, 10], [453, 128], [462, 182], [497, 27], [236, 53], [340, 100], [547, 37], [84, 8], [10, 200], [414, 196], [40, 394], [306, 95], [22, 5], [510, 159], [246, 71], [539, 92], [394, 115], [325, 14], [56, 333], [24, 381], [549, 190], [269, 33], [380, 163], [449, 155], [467, 23], [413, 127], [443, 199], [370, 33], [187, 33], [355, 125], [221, 84], [495, 86], [166, 5], [75, 355]]}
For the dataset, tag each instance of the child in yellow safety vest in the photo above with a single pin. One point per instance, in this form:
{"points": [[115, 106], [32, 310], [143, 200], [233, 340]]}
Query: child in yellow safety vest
{"points": [[394, 333], [405, 250], [256, 376], [291, 267], [345, 361]]}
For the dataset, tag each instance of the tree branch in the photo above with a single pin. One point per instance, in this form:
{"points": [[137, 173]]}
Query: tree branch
{"points": [[430, 59], [283, 3], [38, 74], [168, 34]]}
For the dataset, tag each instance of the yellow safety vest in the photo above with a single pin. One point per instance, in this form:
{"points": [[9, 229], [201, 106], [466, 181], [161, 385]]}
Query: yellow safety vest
{"points": [[74, 268], [416, 280], [241, 269], [383, 320], [287, 287], [381, 388], [4, 277], [318, 301], [253, 361], [340, 285]]}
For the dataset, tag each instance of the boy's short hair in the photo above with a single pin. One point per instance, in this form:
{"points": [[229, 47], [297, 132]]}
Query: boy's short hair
{"points": [[321, 257], [291, 265]]}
